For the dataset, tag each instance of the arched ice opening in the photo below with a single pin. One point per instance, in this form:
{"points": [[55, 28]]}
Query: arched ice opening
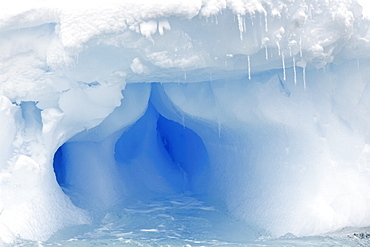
{"points": [[152, 156]]}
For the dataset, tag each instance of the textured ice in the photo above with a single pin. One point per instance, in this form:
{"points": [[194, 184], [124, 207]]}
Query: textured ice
{"points": [[259, 108]]}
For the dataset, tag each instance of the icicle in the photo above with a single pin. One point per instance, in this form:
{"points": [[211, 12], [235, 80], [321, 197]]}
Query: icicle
{"points": [[304, 78], [278, 46], [244, 24], [283, 60], [260, 22], [241, 27], [294, 72], [219, 129], [266, 29], [216, 20], [266, 53], [300, 46], [249, 67], [185, 75]]}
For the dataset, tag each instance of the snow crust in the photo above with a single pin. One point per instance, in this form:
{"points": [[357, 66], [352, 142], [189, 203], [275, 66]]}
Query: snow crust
{"points": [[276, 94]]}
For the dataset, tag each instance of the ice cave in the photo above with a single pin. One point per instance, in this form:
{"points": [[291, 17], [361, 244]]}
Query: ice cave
{"points": [[185, 123]]}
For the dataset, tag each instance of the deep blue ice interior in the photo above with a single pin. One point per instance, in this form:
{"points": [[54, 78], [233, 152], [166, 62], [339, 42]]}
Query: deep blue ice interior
{"points": [[155, 156]]}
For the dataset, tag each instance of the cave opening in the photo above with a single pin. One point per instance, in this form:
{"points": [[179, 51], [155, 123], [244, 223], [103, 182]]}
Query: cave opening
{"points": [[155, 156]]}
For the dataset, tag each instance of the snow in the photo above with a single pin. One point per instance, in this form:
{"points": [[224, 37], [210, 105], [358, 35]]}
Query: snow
{"points": [[259, 106]]}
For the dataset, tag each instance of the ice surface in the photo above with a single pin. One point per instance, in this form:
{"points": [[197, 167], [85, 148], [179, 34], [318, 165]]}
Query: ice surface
{"points": [[259, 108]]}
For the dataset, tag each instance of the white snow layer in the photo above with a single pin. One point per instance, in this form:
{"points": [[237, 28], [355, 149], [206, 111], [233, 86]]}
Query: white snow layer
{"points": [[278, 91]]}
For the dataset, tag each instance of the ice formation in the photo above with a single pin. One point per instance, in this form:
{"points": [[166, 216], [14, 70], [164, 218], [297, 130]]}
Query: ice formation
{"points": [[259, 106]]}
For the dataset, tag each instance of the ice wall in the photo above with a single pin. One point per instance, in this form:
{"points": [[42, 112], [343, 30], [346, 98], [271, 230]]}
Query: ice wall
{"points": [[273, 94]]}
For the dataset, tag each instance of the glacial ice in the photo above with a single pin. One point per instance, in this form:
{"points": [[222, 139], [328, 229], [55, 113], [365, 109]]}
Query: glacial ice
{"points": [[259, 107]]}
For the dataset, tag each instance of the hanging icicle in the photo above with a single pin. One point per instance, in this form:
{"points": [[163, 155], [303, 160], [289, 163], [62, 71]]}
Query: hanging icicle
{"points": [[241, 26], [283, 61], [266, 27], [249, 67], [266, 53], [183, 121], [294, 72], [278, 46], [304, 78], [219, 128]]}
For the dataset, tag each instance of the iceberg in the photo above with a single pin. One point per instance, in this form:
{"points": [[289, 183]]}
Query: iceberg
{"points": [[260, 108]]}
